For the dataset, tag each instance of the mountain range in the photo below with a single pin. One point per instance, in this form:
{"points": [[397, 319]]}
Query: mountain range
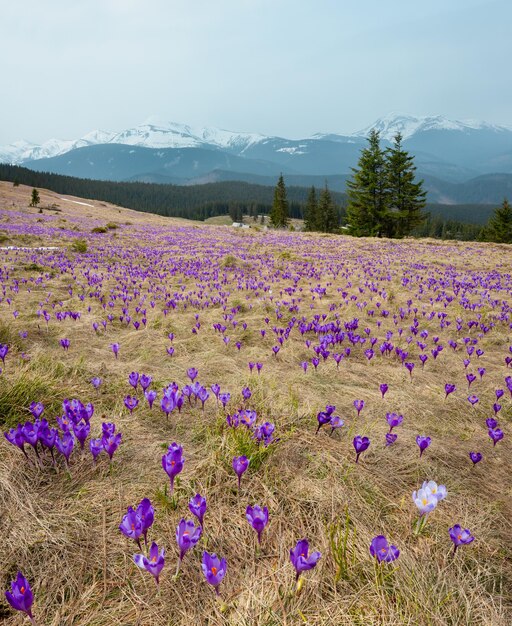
{"points": [[460, 161]]}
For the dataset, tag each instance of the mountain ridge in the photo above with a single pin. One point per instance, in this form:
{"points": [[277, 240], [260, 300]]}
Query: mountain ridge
{"points": [[157, 133]]}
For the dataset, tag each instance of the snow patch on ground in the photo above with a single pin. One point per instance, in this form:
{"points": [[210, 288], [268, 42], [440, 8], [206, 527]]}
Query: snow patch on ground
{"points": [[76, 202]]}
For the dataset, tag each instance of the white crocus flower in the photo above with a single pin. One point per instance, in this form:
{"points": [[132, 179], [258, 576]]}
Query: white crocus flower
{"points": [[438, 491], [425, 500]]}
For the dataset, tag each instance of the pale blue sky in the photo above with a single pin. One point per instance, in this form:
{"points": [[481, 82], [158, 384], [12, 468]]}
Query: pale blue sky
{"points": [[280, 67]]}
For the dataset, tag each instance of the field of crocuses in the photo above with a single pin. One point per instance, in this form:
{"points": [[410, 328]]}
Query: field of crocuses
{"points": [[211, 426]]}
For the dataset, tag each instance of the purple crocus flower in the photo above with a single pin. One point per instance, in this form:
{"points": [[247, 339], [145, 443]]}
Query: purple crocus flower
{"points": [[383, 389], [17, 438], [460, 537], [133, 379], [187, 535], [240, 465], [470, 378], [473, 399], [496, 434], [96, 382], [146, 512], [301, 559], [192, 373], [131, 402], [81, 431], [257, 518], [115, 349], [409, 367], [4, 349], [391, 438], [476, 457], [393, 419], [150, 396], [65, 444], [224, 398], [246, 393], [203, 396], [214, 569], [382, 551], [448, 389], [36, 408], [31, 433], [95, 446], [491, 422], [131, 526], [111, 443], [20, 597], [335, 423], [107, 429], [324, 417], [65, 343], [360, 445], [197, 506], [145, 381], [359, 405], [173, 461], [47, 437], [423, 443], [153, 563]]}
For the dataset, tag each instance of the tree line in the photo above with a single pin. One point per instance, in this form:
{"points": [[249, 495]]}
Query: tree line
{"points": [[195, 202], [386, 200], [199, 202]]}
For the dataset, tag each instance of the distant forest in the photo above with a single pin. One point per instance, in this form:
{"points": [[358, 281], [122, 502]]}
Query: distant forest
{"points": [[236, 198]]}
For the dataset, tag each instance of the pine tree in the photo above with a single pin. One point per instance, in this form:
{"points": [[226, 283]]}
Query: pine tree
{"points": [[279, 211], [35, 200], [327, 214], [311, 211], [406, 197], [367, 191], [499, 228]]}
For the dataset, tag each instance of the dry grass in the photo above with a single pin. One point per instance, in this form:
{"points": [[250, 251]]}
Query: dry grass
{"points": [[61, 530]]}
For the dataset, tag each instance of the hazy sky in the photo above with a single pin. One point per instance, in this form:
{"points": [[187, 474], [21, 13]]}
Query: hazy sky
{"points": [[280, 67]]}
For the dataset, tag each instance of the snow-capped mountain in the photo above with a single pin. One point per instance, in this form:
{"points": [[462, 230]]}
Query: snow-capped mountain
{"points": [[22, 151], [409, 125], [152, 133], [163, 151]]}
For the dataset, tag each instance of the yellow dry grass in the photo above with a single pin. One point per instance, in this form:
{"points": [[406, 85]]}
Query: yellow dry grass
{"points": [[61, 530]]}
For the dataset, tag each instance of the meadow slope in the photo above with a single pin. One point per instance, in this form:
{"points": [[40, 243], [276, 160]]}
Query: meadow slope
{"points": [[223, 298]]}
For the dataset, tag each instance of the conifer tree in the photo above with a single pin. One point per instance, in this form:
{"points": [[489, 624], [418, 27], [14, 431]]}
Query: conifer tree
{"points": [[35, 200], [311, 211], [367, 191], [406, 197], [279, 211], [499, 228], [327, 215]]}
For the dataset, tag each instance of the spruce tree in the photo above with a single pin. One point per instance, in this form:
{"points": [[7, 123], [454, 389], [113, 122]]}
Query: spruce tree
{"points": [[311, 211], [35, 200], [499, 228], [367, 191], [279, 211], [406, 197], [327, 214]]}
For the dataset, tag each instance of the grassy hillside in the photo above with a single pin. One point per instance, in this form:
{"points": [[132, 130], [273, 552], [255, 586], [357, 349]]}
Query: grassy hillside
{"points": [[175, 295]]}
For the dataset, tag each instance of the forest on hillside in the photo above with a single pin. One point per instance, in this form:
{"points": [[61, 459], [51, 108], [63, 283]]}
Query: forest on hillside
{"points": [[236, 198]]}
